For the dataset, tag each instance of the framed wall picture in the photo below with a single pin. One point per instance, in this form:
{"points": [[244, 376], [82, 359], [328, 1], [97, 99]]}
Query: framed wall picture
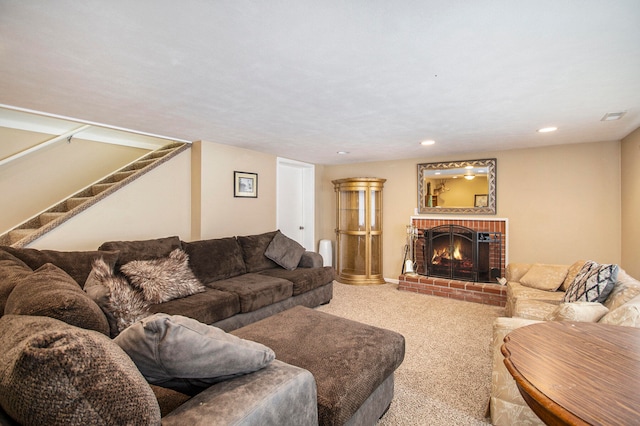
{"points": [[481, 200], [245, 184]]}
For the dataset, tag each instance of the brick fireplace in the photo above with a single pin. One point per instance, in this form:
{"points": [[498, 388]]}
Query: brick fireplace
{"points": [[470, 289]]}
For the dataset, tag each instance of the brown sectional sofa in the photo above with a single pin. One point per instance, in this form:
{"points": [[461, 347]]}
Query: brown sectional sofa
{"points": [[241, 286]]}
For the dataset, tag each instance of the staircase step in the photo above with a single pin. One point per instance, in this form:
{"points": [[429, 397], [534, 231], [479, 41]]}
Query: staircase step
{"points": [[118, 176], [48, 217], [72, 203], [143, 163], [18, 234], [99, 187]]}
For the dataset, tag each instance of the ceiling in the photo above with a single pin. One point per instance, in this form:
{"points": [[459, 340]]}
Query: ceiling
{"points": [[304, 79]]}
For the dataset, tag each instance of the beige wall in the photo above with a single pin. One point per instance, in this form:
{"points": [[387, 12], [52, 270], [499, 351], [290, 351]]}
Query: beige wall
{"points": [[223, 215], [630, 190], [155, 205], [562, 202], [31, 184]]}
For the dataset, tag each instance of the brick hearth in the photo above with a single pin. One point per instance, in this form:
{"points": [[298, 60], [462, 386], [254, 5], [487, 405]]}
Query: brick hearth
{"points": [[485, 293]]}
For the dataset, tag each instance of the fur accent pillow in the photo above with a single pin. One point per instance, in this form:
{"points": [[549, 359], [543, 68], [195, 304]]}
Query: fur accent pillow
{"points": [[122, 304], [186, 355], [52, 373], [161, 280]]}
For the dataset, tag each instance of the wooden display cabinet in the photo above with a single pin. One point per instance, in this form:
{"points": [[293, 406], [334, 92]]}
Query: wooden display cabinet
{"points": [[359, 230]]}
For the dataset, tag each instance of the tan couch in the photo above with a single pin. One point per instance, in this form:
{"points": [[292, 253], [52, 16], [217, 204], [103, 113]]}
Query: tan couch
{"points": [[529, 303]]}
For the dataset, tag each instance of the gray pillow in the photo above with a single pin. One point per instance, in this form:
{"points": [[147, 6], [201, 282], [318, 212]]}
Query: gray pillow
{"points": [[52, 373], [186, 355], [161, 280], [284, 251]]}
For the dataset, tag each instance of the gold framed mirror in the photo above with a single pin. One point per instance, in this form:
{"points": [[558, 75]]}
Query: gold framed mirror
{"points": [[460, 187]]}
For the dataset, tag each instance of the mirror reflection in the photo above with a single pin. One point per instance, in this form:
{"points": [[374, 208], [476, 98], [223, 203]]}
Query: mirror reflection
{"points": [[457, 187]]}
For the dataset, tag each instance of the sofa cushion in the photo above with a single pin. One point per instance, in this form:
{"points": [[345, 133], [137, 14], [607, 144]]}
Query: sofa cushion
{"points": [[253, 249], [164, 279], [578, 311], [544, 277], [207, 307], [52, 373], [188, 356], [303, 279], [284, 251], [571, 274], [50, 292], [122, 304], [517, 291], [77, 264], [255, 290], [533, 309], [215, 259], [593, 283], [12, 270], [142, 249], [626, 315]]}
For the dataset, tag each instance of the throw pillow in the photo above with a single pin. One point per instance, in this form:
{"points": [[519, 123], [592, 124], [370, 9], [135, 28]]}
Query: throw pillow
{"points": [[12, 270], [571, 274], [544, 277], [161, 280], [284, 251], [188, 356], [627, 315], [77, 264], [593, 283], [578, 311], [50, 292], [122, 304], [52, 373]]}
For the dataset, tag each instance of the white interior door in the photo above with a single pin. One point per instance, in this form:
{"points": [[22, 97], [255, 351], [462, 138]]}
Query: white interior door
{"points": [[295, 201]]}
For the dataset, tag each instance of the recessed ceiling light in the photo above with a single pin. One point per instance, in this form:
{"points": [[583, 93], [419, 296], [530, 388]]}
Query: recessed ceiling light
{"points": [[547, 129], [427, 142], [343, 152], [611, 116]]}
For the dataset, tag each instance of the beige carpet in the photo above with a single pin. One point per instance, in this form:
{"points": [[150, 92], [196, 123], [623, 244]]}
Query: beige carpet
{"points": [[446, 374]]}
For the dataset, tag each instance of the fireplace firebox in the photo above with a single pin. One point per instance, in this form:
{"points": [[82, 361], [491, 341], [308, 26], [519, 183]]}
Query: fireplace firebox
{"points": [[458, 252]]}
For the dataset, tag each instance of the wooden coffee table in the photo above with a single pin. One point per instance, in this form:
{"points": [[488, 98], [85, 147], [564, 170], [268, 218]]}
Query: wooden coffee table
{"points": [[577, 373]]}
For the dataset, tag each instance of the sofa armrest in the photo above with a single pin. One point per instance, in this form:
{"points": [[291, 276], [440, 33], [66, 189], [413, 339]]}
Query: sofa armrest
{"points": [[310, 259], [280, 394], [506, 404]]}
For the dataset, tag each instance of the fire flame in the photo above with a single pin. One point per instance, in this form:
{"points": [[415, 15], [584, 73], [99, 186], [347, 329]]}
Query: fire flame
{"points": [[444, 253]]}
